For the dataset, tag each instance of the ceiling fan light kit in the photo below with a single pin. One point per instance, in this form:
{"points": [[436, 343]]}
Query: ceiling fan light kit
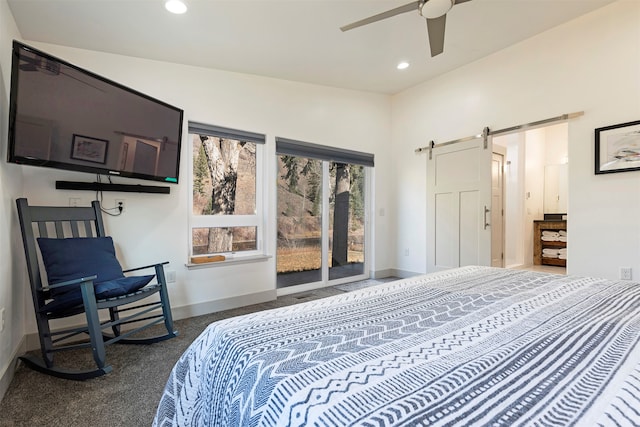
{"points": [[435, 8], [175, 6], [435, 12]]}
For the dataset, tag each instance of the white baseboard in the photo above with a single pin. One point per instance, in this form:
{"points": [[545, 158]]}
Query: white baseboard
{"points": [[517, 266], [382, 274], [392, 272], [404, 274], [8, 371], [187, 311]]}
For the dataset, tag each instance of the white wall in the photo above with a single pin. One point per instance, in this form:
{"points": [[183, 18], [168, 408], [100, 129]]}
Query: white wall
{"points": [[12, 293], [557, 150], [534, 160], [556, 168], [590, 64], [514, 198]]}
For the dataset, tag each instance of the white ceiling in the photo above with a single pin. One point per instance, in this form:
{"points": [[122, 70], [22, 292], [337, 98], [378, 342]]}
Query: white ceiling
{"points": [[295, 40]]}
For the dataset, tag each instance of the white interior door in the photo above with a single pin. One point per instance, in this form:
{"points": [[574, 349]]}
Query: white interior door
{"points": [[459, 205], [145, 158]]}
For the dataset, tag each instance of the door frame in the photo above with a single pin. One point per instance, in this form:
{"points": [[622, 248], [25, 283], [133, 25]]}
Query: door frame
{"points": [[502, 152]]}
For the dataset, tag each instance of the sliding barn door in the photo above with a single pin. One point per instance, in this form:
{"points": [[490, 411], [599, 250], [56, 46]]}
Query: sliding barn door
{"points": [[459, 205]]}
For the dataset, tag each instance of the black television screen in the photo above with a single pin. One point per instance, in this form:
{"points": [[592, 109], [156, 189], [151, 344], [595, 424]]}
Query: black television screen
{"points": [[65, 117]]}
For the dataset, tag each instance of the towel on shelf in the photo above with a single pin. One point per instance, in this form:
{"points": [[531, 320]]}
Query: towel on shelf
{"points": [[550, 238], [563, 235], [550, 253], [549, 233]]}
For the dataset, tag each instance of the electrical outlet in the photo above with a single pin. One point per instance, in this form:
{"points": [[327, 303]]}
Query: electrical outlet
{"points": [[625, 273], [121, 204], [2, 320], [171, 276], [75, 202]]}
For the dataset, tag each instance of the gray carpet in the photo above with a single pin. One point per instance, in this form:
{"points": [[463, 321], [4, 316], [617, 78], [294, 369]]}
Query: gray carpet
{"points": [[127, 396]]}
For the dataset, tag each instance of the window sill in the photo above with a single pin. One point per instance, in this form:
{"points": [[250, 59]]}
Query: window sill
{"points": [[230, 261]]}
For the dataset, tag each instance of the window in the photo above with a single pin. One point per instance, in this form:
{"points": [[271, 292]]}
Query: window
{"points": [[226, 215]]}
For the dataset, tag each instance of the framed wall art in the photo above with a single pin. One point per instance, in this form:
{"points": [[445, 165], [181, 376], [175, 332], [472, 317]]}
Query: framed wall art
{"points": [[618, 148]]}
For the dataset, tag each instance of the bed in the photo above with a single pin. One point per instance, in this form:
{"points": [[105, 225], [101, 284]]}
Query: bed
{"points": [[466, 347]]}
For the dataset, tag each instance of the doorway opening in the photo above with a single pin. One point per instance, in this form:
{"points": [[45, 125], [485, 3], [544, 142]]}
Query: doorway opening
{"points": [[535, 183]]}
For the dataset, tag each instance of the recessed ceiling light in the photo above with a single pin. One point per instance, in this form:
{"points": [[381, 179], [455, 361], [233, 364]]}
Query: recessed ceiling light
{"points": [[402, 65], [175, 6]]}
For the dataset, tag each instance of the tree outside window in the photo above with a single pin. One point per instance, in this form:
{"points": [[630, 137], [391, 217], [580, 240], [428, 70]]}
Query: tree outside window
{"points": [[224, 187]]}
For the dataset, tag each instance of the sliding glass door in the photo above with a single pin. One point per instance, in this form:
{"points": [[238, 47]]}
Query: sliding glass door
{"points": [[321, 221], [346, 220], [299, 247]]}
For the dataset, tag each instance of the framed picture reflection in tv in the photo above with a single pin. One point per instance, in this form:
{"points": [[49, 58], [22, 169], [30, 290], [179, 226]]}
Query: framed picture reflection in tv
{"points": [[89, 149]]}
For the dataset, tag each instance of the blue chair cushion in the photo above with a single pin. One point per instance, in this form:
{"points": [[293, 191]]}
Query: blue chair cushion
{"points": [[122, 286], [74, 258]]}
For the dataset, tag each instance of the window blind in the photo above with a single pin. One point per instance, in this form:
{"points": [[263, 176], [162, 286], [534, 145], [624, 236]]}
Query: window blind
{"points": [[321, 152], [222, 132]]}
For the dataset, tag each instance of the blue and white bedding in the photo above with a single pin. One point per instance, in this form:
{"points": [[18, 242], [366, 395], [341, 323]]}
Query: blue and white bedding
{"points": [[465, 347]]}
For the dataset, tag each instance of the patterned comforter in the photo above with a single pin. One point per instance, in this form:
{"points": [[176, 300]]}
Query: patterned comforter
{"points": [[464, 347]]}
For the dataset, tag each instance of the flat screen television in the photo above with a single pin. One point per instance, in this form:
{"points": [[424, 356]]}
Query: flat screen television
{"points": [[62, 116]]}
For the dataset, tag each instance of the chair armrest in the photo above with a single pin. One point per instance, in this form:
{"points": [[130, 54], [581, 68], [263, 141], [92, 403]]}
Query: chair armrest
{"points": [[146, 266], [69, 282]]}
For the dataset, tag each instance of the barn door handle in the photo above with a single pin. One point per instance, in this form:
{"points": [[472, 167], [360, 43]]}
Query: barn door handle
{"points": [[486, 223]]}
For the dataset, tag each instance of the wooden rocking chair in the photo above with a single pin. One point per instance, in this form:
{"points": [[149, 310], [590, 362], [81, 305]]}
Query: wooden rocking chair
{"points": [[83, 276]]}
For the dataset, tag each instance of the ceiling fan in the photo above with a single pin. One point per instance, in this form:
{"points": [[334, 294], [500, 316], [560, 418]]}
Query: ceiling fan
{"points": [[434, 11], [48, 67], [39, 64]]}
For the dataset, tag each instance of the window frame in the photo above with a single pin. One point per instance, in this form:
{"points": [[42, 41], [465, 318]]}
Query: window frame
{"points": [[207, 221]]}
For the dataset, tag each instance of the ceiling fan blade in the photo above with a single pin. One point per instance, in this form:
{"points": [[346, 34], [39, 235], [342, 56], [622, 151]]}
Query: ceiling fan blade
{"points": [[460, 1], [435, 28], [384, 15]]}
